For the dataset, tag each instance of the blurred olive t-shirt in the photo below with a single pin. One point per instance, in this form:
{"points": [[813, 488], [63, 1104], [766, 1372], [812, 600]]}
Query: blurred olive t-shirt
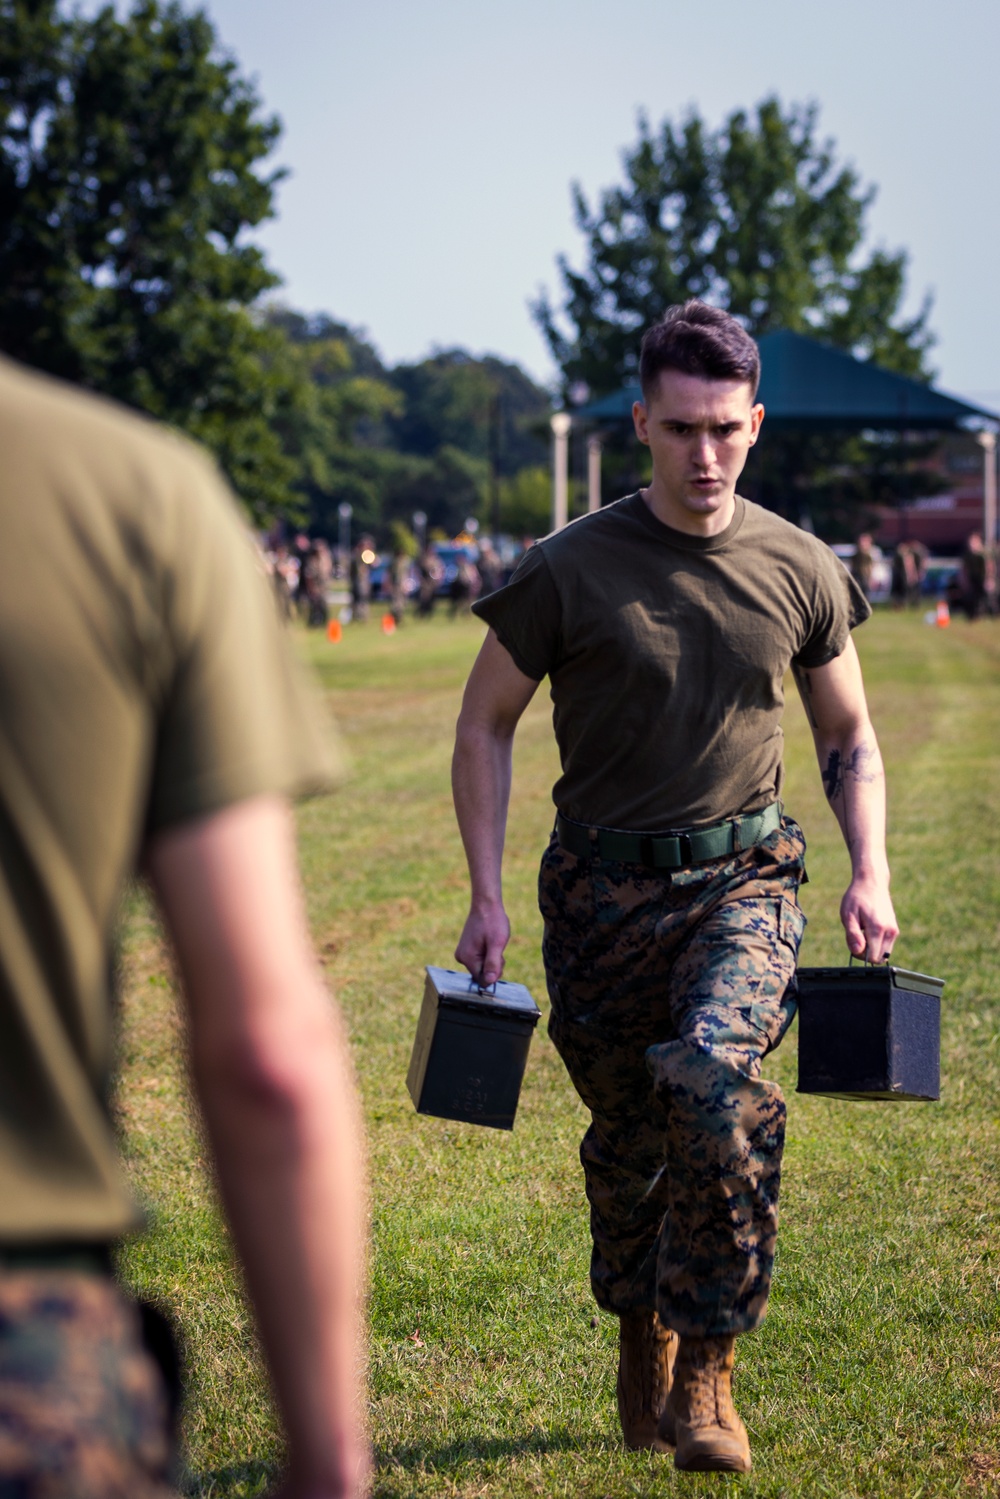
{"points": [[666, 653], [144, 681]]}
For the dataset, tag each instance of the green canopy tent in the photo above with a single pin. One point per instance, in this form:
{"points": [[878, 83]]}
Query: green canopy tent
{"points": [[810, 386], [805, 383]]}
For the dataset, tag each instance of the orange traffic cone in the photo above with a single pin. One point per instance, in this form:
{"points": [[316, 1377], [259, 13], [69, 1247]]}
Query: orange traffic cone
{"points": [[942, 616], [388, 624], [334, 631]]}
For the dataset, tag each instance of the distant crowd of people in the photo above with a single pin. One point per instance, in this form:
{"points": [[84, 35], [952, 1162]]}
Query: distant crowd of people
{"points": [[303, 572], [970, 589]]}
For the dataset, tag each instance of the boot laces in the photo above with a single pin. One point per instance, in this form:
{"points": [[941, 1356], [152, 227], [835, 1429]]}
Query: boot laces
{"points": [[650, 1373], [657, 1353], [706, 1388]]}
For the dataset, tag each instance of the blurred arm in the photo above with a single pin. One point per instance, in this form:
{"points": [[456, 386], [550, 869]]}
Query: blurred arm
{"points": [[496, 695], [273, 1077], [854, 780]]}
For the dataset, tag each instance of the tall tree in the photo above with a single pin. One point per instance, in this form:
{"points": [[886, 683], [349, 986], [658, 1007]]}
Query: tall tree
{"points": [[757, 217], [466, 426], [129, 173], [336, 428], [480, 406]]}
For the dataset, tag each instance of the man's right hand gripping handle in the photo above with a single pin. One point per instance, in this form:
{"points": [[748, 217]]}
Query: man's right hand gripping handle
{"points": [[481, 946]]}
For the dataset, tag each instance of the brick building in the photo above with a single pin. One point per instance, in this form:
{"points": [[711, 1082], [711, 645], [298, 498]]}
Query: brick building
{"points": [[943, 521]]}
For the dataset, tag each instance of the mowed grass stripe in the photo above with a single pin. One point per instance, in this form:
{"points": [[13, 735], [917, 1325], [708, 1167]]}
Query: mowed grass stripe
{"points": [[875, 1373]]}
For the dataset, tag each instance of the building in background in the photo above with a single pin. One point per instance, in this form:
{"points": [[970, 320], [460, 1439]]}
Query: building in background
{"points": [[943, 522]]}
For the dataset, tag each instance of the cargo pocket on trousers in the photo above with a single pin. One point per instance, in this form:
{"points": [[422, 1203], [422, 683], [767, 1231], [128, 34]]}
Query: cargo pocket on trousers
{"points": [[775, 1003], [791, 924]]}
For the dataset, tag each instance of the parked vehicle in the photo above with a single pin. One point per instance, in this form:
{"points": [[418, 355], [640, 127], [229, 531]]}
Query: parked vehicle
{"points": [[508, 549], [449, 553], [940, 576]]}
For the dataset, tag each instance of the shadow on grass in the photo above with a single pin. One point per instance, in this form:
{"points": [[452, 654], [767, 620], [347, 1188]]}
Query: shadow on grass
{"points": [[252, 1479], [417, 1455], [237, 1481]]}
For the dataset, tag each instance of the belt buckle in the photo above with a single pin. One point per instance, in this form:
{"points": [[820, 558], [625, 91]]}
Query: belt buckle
{"points": [[647, 849]]}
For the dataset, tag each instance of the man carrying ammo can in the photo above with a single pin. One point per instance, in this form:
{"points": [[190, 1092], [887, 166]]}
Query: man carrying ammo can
{"points": [[666, 623]]}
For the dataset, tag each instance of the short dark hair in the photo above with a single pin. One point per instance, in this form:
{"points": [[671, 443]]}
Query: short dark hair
{"points": [[699, 340]]}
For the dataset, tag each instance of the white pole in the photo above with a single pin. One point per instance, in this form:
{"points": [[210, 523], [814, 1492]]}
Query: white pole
{"points": [[345, 511], [560, 424], [988, 443], [593, 474]]}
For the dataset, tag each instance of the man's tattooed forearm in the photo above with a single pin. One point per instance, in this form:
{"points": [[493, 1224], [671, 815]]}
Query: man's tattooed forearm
{"points": [[857, 764], [833, 780]]}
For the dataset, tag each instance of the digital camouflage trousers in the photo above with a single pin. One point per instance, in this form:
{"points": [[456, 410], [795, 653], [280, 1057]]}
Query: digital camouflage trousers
{"points": [[83, 1410], [667, 991]]}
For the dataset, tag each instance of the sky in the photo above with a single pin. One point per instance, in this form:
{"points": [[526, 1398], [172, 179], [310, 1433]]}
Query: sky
{"points": [[431, 146]]}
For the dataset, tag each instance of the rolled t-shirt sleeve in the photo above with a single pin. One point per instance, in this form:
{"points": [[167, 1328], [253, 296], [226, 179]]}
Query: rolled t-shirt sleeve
{"points": [[838, 605], [236, 717], [526, 615]]}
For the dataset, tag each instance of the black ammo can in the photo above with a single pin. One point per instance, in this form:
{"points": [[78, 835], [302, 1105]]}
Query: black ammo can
{"points": [[870, 1032], [470, 1049]]}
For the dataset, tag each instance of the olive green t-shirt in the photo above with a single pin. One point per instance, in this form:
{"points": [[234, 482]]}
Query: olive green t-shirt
{"points": [[666, 655], [143, 682]]}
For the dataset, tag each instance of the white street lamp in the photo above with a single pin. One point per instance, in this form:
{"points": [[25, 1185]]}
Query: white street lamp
{"points": [[560, 424], [593, 473], [988, 442], [345, 511]]}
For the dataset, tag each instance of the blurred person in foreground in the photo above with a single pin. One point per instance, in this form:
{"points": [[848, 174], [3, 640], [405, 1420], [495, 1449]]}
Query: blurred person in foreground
{"points": [[150, 717], [665, 624]]}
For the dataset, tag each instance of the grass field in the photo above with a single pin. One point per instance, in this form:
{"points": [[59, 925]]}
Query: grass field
{"points": [[877, 1371]]}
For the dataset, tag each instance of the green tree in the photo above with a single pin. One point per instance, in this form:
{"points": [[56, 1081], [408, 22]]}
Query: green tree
{"points": [[320, 327], [428, 436], [485, 407], [335, 429], [129, 174], [467, 426], [756, 217], [526, 502], [448, 487]]}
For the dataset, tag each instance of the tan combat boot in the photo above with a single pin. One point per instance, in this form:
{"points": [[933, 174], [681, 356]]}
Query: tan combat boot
{"points": [[646, 1353], [699, 1417]]}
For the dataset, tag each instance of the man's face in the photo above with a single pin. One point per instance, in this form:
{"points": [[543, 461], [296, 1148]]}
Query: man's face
{"points": [[698, 432]]}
